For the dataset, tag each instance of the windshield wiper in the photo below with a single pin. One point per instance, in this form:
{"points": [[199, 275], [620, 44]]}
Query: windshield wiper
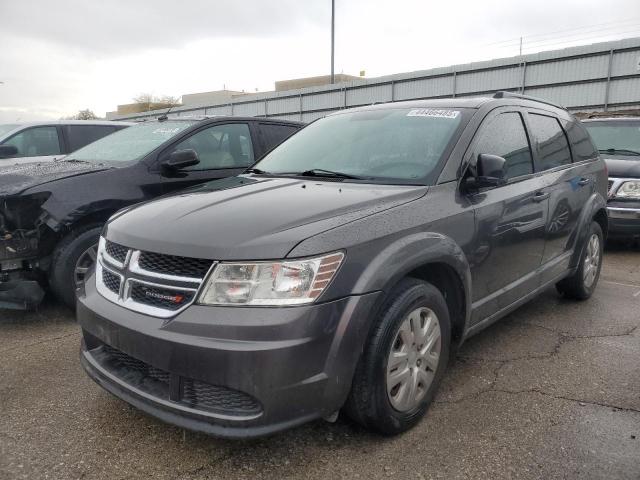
{"points": [[320, 172], [619, 151], [256, 171]]}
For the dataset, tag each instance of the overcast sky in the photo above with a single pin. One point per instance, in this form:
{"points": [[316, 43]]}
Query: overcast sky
{"points": [[59, 57]]}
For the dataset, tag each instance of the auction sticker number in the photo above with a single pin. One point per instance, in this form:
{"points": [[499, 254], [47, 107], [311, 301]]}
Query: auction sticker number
{"points": [[433, 112]]}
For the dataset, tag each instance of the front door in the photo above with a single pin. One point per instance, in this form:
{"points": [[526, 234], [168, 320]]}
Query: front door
{"points": [[510, 219], [224, 150]]}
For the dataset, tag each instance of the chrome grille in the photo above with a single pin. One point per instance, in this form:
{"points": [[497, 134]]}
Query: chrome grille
{"points": [[151, 283], [610, 185], [111, 281], [172, 265], [118, 252]]}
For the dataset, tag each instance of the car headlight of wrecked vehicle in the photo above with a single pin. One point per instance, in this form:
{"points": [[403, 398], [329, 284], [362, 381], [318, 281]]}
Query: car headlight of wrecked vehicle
{"points": [[290, 282], [629, 189]]}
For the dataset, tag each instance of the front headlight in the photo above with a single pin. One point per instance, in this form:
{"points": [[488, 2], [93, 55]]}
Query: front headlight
{"points": [[630, 189], [287, 282]]}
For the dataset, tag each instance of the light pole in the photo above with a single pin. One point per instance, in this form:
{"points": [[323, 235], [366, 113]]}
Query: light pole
{"points": [[333, 34]]}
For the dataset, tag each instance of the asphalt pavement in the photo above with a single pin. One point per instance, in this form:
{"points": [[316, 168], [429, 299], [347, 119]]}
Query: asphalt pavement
{"points": [[551, 391]]}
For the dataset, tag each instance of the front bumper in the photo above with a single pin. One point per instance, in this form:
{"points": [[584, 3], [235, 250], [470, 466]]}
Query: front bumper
{"points": [[227, 371], [624, 220]]}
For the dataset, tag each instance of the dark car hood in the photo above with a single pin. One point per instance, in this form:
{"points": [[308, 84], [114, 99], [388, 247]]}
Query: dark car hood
{"points": [[250, 218], [15, 179], [623, 167]]}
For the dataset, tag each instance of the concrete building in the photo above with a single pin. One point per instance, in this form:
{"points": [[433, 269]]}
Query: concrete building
{"points": [[598, 77]]}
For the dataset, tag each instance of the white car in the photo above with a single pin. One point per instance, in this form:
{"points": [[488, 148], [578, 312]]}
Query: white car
{"points": [[28, 142]]}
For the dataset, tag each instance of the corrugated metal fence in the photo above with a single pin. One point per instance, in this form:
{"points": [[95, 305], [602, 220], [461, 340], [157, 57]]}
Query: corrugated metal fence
{"points": [[603, 76]]}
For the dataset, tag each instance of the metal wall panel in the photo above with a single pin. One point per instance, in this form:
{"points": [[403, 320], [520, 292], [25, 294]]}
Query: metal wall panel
{"points": [[426, 87], [625, 90], [583, 94], [368, 95], [569, 70], [487, 80], [311, 116], [219, 110], [626, 63], [253, 109], [320, 101], [283, 105]]}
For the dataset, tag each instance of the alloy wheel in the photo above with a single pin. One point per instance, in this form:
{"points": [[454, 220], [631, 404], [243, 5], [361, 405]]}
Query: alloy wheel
{"points": [[591, 261], [85, 261], [413, 359]]}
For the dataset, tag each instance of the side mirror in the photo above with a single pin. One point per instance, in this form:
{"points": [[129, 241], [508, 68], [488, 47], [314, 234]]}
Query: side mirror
{"points": [[181, 159], [8, 151], [490, 171]]}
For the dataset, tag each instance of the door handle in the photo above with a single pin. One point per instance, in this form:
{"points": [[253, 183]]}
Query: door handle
{"points": [[540, 196], [583, 181]]}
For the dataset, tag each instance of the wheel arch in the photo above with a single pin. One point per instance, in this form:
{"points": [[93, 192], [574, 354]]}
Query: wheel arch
{"points": [[594, 210]]}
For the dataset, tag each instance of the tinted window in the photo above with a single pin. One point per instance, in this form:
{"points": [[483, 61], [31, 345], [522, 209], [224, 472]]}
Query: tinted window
{"points": [[6, 128], [273, 135], [36, 141], [621, 135], [581, 144], [392, 145], [506, 137], [220, 146], [553, 148], [81, 135], [131, 144]]}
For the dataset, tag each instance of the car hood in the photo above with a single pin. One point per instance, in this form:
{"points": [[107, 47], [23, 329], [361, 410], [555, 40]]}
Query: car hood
{"points": [[15, 179], [623, 167], [249, 217]]}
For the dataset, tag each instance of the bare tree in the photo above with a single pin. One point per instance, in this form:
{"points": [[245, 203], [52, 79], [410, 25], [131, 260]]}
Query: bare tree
{"points": [[153, 102], [85, 114]]}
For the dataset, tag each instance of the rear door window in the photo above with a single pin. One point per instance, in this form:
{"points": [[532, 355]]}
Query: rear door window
{"points": [[220, 146], [581, 144], [506, 137], [551, 142], [36, 142], [80, 135], [274, 134]]}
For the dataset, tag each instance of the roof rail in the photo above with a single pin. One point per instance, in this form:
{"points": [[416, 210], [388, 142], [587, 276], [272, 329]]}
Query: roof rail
{"points": [[503, 94]]}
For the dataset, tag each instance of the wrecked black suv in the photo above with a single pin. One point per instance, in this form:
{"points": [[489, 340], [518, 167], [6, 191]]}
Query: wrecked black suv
{"points": [[343, 269], [51, 214]]}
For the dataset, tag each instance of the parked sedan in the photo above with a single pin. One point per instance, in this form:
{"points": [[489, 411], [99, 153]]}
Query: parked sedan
{"points": [[618, 140], [47, 141], [51, 214]]}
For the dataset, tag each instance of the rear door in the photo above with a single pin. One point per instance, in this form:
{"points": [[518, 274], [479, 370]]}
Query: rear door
{"points": [[224, 149], [510, 219], [567, 181]]}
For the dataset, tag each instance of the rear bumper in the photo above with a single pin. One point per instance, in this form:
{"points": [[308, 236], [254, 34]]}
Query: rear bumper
{"points": [[259, 370], [624, 221]]}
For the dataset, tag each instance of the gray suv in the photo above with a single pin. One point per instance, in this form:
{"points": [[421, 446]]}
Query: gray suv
{"points": [[342, 271]]}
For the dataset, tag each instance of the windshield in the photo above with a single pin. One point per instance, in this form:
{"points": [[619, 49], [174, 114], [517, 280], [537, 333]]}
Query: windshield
{"points": [[131, 143], [7, 128], [401, 145], [615, 135]]}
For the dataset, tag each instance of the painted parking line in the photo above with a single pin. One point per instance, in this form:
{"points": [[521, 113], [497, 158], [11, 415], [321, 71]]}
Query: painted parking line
{"points": [[623, 285]]}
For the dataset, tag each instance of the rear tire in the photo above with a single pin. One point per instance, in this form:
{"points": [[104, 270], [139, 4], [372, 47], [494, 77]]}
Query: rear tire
{"points": [[582, 284], [72, 259], [404, 360]]}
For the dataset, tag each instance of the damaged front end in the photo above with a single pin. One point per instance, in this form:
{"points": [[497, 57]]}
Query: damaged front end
{"points": [[25, 250]]}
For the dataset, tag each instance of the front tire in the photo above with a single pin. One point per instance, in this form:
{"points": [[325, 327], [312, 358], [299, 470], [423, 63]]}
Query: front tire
{"points": [[582, 284], [72, 259], [404, 360]]}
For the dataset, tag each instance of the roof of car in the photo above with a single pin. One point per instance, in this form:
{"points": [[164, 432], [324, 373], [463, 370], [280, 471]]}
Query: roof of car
{"points": [[67, 122], [611, 119], [500, 98], [212, 118]]}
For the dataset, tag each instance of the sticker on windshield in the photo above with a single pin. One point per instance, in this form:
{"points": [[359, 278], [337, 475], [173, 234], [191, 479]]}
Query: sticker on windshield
{"points": [[433, 112], [166, 131]]}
